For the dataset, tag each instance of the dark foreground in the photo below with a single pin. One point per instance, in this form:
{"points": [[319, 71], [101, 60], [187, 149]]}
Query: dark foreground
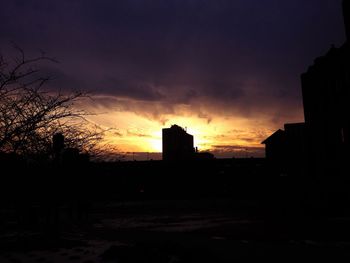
{"points": [[204, 230]]}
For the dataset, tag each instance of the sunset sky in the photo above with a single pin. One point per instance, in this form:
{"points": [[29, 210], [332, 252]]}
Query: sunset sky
{"points": [[228, 70]]}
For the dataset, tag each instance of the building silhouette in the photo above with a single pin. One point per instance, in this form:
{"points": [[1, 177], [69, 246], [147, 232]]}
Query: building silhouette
{"points": [[204, 156], [286, 150], [57, 144], [177, 144], [326, 98], [321, 145], [66, 155], [275, 146]]}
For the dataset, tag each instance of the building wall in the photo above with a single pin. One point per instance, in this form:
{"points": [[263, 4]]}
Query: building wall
{"points": [[296, 148], [326, 98], [286, 151]]}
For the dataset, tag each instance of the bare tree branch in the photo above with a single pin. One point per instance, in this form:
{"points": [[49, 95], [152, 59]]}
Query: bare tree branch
{"points": [[31, 115]]}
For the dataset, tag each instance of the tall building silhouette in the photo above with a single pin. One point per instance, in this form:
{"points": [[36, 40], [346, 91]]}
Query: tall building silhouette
{"points": [[321, 145], [177, 144], [326, 99]]}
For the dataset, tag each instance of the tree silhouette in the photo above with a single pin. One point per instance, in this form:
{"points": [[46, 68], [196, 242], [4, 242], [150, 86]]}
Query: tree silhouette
{"points": [[30, 114]]}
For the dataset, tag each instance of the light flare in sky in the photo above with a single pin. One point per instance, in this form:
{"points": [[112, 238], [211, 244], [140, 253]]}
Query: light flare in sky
{"points": [[135, 133]]}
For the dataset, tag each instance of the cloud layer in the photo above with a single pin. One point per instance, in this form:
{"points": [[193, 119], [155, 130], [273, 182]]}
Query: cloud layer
{"points": [[205, 59]]}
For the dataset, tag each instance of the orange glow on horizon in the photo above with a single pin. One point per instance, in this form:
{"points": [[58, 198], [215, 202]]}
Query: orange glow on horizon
{"points": [[139, 134], [141, 131]]}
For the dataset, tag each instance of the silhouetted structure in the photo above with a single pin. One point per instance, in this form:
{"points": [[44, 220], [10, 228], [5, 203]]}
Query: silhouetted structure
{"points": [[204, 156], [326, 97], [321, 145], [57, 144], [275, 146], [296, 145], [66, 155], [286, 150], [177, 144]]}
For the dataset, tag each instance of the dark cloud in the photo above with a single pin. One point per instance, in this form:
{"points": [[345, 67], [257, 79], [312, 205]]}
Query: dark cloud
{"points": [[62, 80], [232, 57], [237, 151], [131, 89]]}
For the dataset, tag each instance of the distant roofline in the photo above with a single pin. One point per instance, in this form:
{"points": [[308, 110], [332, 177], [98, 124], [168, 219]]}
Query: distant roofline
{"points": [[279, 131], [178, 128]]}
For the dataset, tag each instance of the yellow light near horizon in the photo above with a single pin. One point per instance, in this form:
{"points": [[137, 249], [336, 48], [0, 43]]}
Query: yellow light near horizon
{"points": [[155, 145], [137, 133]]}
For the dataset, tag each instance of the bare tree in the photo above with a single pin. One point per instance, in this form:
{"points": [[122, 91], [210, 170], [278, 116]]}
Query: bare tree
{"points": [[31, 114]]}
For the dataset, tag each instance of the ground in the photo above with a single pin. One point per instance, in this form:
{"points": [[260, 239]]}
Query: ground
{"points": [[216, 230]]}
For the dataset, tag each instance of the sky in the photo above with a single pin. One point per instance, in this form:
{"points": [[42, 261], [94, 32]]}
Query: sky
{"points": [[227, 70]]}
